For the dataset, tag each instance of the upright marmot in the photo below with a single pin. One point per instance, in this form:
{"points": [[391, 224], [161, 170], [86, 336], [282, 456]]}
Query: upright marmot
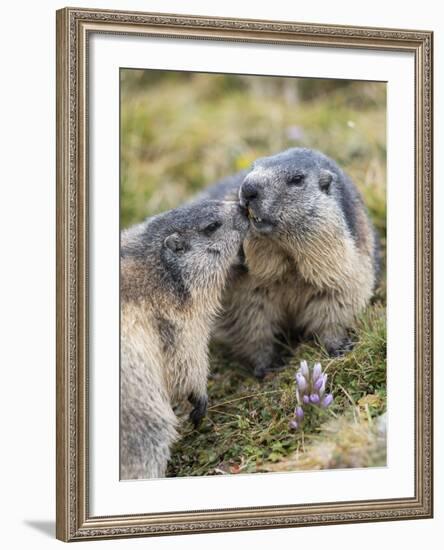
{"points": [[311, 256], [173, 269]]}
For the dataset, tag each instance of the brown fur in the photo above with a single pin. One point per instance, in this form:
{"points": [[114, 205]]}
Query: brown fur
{"points": [[169, 299], [303, 288], [310, 257]]}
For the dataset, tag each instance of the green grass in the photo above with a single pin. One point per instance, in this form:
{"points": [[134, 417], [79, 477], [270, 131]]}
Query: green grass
{"points": [[182, 132], [247, 421]]}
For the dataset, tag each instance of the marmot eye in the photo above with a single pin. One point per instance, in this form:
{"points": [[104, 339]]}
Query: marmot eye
{"points": [[297, 179], [211, 228]]}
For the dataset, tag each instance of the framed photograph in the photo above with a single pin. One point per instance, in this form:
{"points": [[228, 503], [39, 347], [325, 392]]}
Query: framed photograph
{"points": [[244, 274]]}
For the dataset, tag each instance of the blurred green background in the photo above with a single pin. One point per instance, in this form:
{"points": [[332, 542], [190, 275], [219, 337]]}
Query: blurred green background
{"points": [[183, 131]]}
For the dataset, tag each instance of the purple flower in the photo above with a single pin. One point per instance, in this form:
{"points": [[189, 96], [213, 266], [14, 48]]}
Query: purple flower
{"points": [[310, 390], [318, 384], [314, 398], [322, 388], [305, 370], [327, 401], [317, 371], [299, 412], [301, 381]]}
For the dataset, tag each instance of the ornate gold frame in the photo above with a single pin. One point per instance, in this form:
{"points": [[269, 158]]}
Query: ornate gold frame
{"points": [[73, 28]]}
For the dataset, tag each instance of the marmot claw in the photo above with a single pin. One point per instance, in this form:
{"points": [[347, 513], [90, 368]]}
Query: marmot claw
{"points": [[200, 409]]}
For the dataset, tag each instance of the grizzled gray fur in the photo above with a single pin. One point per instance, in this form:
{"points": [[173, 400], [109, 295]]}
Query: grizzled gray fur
{"points": [[311, 256], [173, 270]]}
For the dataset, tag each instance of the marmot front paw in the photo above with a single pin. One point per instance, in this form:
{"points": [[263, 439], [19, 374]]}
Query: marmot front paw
{"points": [[200, 405]]}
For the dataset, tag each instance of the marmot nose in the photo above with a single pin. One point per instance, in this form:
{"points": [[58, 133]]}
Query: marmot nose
{"points": [[249, 191]]}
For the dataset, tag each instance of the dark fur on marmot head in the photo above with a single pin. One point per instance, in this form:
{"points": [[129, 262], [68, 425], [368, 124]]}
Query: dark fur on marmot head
{"points": [[291, 195], [182, 250], [301, 178]]}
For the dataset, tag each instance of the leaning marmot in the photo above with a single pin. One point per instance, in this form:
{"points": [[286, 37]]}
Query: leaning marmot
{"points": [[173, 270], [311, 256]]}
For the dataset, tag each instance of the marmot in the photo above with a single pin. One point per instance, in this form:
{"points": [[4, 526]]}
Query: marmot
{"points": [[173, 270], [311, 255]]}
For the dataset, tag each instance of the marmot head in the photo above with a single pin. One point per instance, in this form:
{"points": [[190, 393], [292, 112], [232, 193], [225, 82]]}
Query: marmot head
{"points": [[291, 191], [189, 250], [203, 240]]}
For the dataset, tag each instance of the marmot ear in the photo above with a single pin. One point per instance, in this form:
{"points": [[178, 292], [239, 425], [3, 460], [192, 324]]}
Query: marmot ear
{"points": [[175, 242], [325, 179]]}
